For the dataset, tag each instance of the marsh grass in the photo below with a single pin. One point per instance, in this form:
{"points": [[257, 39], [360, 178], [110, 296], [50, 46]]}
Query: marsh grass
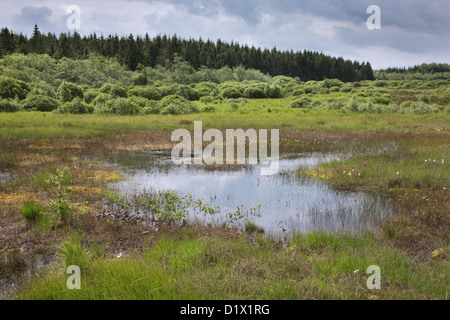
{"points": [[73, 253], [251, 227], [31, 211], [312, 266], [36, 125]]}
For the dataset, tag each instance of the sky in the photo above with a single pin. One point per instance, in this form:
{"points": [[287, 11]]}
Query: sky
{"points": [[411, 31]]}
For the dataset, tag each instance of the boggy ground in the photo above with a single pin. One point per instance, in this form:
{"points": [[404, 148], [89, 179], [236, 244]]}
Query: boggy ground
{"points": [[199, 262]]}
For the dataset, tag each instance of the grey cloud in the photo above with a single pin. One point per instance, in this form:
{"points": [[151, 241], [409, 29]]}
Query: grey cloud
{"points": [[30, 15]]}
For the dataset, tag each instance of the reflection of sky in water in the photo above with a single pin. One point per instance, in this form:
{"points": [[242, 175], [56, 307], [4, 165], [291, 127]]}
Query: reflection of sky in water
{"points": [[287, 200]]}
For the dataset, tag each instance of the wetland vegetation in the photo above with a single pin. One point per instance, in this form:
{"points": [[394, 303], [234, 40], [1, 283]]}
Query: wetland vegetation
{"points": [[77, 133]]}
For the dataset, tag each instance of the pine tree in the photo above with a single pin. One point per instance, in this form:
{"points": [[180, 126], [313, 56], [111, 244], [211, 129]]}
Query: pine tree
{"points": [[6, 42], [36, 43]]}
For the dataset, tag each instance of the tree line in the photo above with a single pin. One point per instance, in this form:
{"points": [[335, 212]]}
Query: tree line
{"points": [[145, 51]]}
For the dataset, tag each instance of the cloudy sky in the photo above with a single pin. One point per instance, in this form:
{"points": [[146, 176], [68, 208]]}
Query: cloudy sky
{"points": [[412, 31]]}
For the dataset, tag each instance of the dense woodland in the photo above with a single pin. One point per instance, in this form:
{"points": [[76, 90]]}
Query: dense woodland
{"points": [[137, 52]]}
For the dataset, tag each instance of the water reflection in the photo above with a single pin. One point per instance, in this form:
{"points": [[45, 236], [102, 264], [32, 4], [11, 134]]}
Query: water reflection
{"points": [[287, 202]]}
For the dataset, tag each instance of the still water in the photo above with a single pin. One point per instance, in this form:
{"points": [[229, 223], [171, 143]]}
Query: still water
{"points": [[281, 204]]}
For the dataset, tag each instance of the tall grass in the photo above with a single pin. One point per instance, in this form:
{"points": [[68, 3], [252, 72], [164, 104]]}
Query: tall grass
{"points": [[73, 253], [31, 211], [313, 266]]}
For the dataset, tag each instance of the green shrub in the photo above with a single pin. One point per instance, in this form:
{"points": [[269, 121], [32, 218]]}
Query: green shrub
{"points": [[282, 80], [230, 93], [380, 83], [77, 106], [140, 80], [273, 91], [100, 100], [303, 102], [187, 92], [167, 90], [31, 211], [90, 95], [346, 89], [298, 92], [119, 106], [13, 89], [114, 90], [382, 99], [151, 108], [425, 98], [335, 89], [175, 104], [8, 106], [148, 92], [208, 109], [68, 91], [309, 90], [207, 99], [40, 103], [352, 104], [254, 92], [328, 83], [205, 88], [43, 89]]}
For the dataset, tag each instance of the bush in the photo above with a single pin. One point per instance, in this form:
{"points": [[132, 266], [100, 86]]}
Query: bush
{"points": [[230, 93], [13, 89], [303, 102], [382, 99], [114, 90], [100, 100], [175, 104], [31, 211], [298, 92], [43, 89], [208, 109], [68, 91], [77, 106], [151, 108], [9, 106], [167, 90], [119, 106], [335, 89], [346, 89], [273, 91], [328, 83], [309, 89], [40, 103], [140, 80], [90, 95], [205, 88], [352, 104], [254, 92], [207, 99], [150, 93], [380, 83]]}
